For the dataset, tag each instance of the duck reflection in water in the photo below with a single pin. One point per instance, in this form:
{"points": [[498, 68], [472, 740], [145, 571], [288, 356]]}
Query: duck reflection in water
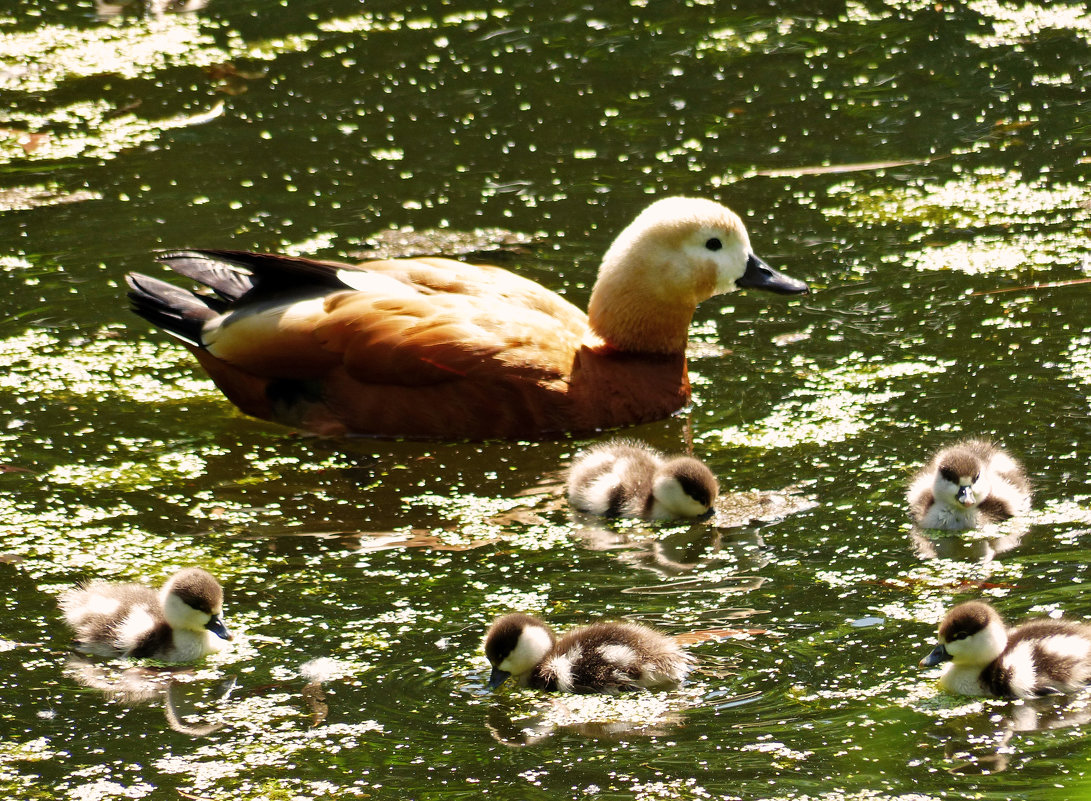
{"points": [[147, 686], [988, 741]]}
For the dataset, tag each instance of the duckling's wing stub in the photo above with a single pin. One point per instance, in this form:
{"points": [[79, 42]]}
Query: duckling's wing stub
{"points": [[760, 275]]}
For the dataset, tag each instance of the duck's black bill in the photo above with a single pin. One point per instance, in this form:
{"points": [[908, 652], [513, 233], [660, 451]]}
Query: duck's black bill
{"points": [[760, 275], [939, 654], [217, 627], [497, 677]]}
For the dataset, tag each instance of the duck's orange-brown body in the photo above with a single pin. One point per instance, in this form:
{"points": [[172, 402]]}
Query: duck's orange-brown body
{"points": [[441, 349]]}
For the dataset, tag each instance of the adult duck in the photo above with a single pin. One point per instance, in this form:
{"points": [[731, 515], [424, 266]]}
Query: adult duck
{"points": [[436, 348]]}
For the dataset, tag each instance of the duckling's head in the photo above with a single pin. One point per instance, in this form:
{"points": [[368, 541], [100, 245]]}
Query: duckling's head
{"points": [[683, 487], [961, 479], [514, 645], [971, 634], [677, 252], [193, 601]]}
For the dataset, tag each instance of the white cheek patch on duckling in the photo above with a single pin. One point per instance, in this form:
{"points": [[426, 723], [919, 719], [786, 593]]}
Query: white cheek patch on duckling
{"points": [[181, 615], [134, 626], [673, 501], [533, 644]]}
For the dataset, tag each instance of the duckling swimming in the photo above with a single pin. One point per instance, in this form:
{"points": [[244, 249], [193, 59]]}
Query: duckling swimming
{"points": [[181, 623], [606, 657], [1039, 657], [622, 478], [968, 484]]}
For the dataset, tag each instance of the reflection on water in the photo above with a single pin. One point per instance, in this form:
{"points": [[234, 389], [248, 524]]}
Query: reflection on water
{"points": [[138, 686], [989, 741]]}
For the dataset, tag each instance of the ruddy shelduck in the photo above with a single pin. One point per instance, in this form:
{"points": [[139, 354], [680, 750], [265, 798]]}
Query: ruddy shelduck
{"points": [[435, 348]]}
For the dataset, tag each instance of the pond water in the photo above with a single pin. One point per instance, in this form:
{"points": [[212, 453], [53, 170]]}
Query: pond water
{"points": [[922, 164]]}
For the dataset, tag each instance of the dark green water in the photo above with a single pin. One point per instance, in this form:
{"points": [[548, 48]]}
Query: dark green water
{"points": [[905, 158]]}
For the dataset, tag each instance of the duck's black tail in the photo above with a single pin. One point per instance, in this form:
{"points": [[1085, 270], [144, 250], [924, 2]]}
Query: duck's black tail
{"points": [[177, 311]]}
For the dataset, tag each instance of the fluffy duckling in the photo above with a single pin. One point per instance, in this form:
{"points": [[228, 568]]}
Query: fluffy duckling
{"points": [[603, 657], [627, 479], [968, 484], [1039, 657], [431, 347], [181, 623]]}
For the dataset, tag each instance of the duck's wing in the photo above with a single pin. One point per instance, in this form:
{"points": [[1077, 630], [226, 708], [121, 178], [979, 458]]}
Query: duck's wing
{"points": [[438, 338]]}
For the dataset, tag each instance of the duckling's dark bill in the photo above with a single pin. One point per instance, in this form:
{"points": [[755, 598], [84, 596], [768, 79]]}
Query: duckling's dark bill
{"points": [[760, 275], [217, 627], [939, 654], [497, 677]]}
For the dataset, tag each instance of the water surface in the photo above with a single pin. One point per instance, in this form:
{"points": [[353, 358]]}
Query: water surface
{"points": [[922, 165]]}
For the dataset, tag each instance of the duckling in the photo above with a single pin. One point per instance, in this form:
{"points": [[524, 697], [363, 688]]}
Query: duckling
{"points": [[181, 623], [622, 478], [1039, 657], [604, 657], [968, 484], [435, 348]]}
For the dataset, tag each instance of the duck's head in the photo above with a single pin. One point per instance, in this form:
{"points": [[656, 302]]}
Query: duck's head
{"points": [[677, 252], [193, 600], [683, 487], [961, 479], [514, 644], [971, 634]]}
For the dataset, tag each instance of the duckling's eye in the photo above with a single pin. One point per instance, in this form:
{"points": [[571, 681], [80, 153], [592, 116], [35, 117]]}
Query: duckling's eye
{"points": [[949, 474], [714, 243], [962, 635], [976, 477]]}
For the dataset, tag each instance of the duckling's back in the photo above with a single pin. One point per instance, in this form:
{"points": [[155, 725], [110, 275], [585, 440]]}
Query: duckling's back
{"points": [[1042, 657], [116, 619], [612, 657]]}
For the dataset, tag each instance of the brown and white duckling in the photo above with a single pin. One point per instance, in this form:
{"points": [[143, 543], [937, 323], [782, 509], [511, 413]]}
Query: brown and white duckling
{"points": [[968, 484], [1039, 657], [181, 623], [622, 478], [604, 657]]}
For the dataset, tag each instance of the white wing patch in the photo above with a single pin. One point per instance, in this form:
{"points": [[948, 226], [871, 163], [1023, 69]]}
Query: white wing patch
{"points": [[1024, 677], [90, 604], [618, 654], [1066, 646], [562, 666], [134, 627]]}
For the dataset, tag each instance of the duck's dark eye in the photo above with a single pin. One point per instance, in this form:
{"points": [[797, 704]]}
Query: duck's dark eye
{"points": [[976, 477], [949, 474], [714, 243], [962, 635]]}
